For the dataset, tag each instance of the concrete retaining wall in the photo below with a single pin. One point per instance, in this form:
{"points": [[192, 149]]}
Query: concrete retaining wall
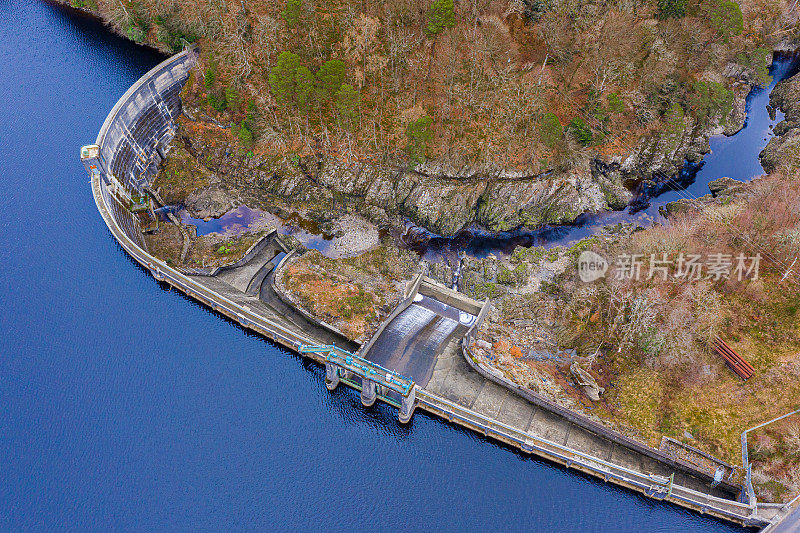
{"points": [[582, 421], [430, 287], [653, 486], [251, 252]]}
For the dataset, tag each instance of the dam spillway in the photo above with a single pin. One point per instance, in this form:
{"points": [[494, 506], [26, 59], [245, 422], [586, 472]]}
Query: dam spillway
{"points": [[123, 162]]}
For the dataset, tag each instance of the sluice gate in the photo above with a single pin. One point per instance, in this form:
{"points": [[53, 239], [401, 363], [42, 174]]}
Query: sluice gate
{"points": [[431, 368], [373, 380]]}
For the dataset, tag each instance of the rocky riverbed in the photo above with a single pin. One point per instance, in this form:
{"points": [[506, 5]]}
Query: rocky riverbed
{"points": [[440, 198]]}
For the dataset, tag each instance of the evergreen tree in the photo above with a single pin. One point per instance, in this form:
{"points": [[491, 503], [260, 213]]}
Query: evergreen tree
{"points": [[550, 129], [283, 75], [725, 16], [671, 9], [347, 104], [581, 131], [440, 16], [304, 88], [291, 13], [330, 77], [419, 133]]}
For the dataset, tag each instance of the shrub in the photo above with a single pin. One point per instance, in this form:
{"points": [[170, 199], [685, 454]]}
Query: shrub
{"points": [[550, 129], [217, 102], [581, 131], [419, 133], [282, 77], [534, 9], [135, 33], [615, 103], [138, 24], [245, 136], [440, 16], [671, 9]]}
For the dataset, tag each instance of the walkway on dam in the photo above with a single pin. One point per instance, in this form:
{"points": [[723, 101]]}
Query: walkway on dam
{"points": [[424, 342], [790, 524], [456, 381], [251, 285]]}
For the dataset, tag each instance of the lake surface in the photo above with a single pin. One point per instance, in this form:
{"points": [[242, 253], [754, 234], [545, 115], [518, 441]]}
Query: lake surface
{"points": [[126, 406]]}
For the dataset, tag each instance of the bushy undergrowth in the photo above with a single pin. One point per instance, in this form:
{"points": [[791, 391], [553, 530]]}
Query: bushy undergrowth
{"points": [[472, 84], [655, 334]]}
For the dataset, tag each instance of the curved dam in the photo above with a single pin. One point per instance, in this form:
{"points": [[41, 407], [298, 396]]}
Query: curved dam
{"points": [[122, 165]]}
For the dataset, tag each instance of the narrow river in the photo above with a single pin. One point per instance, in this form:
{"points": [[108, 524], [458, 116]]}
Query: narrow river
{"points": [[733, 157], [128, 407]]}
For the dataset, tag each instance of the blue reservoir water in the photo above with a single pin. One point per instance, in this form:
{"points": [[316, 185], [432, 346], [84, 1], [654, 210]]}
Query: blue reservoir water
{"points": [[126, 406]]}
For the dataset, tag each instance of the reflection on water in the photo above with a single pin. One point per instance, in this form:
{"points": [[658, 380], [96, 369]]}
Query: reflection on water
{"points": [[127, 406], [244, 219]]}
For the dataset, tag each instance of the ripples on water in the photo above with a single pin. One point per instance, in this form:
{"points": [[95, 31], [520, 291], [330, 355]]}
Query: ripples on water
{"points": [[126, 406]]}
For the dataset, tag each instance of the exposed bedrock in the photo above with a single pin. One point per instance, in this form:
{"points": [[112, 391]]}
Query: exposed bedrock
{"points": [[443, 200], [785, 145]]}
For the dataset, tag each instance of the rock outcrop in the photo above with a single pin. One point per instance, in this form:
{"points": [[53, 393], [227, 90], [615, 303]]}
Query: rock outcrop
{"points": [[785, 145], [210, 202]]}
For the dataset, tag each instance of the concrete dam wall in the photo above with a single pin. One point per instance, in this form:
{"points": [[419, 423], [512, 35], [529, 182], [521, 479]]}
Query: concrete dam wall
{"points": [[134, 137]]}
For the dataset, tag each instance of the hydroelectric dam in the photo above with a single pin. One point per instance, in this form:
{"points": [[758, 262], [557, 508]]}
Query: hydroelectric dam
{"points": [[419, 358]]}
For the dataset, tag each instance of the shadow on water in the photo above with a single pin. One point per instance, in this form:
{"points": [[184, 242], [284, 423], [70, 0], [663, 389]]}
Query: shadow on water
{"points": [[93, 30], [736, 156]]}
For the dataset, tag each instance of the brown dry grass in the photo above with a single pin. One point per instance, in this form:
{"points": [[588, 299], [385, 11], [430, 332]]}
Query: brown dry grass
{"points": [[656, 333], [351, 293]]}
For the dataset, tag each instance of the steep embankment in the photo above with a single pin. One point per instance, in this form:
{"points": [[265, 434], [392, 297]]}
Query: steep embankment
{"points": [[505, 114], [783, 150]]}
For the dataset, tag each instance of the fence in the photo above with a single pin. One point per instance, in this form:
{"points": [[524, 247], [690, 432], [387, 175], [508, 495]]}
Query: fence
{"points": [[652, 485]]}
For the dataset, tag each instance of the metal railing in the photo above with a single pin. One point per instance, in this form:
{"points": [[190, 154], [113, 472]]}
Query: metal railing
{"points": [[653, 485], [751, 494], [162, 272], [362, 367]]}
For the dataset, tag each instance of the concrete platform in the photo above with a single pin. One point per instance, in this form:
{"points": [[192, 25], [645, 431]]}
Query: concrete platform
{"points": [[453, 379], [237, 285]]}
